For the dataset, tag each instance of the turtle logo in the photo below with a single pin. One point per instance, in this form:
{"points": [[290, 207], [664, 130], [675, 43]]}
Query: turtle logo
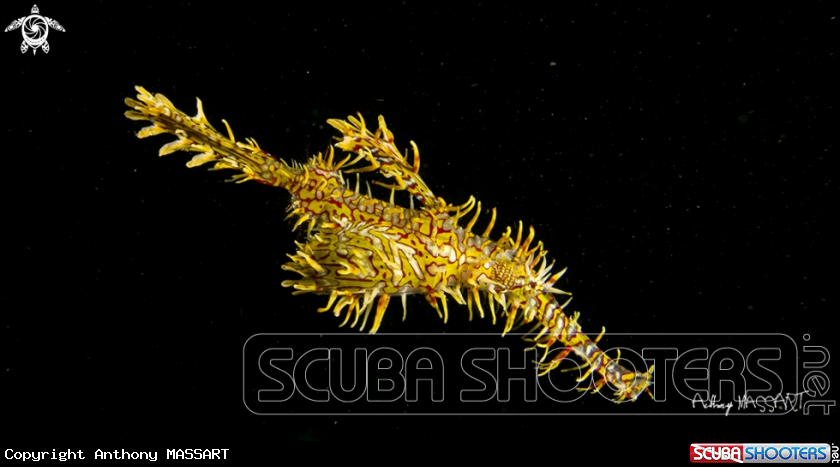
{"points": [[35, 30]]}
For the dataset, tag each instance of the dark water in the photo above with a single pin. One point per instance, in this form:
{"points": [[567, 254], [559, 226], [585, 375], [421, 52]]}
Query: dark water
{"points": [[676, 160]]}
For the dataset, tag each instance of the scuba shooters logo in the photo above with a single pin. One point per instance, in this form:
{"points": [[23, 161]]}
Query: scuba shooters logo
{"points": [[799, 453]]}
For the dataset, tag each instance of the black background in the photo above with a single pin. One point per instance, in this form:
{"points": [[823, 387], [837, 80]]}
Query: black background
{"points": [[676, 159]]}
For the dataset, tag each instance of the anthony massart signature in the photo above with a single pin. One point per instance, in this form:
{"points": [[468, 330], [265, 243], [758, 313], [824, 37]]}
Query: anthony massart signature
{"points": [[790, 401]]}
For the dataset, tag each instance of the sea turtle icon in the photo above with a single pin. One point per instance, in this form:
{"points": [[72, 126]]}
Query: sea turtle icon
{"points": [[35, 30]]}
